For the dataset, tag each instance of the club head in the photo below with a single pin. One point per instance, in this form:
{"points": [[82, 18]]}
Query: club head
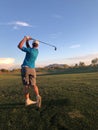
{"points": [[55, 48]]}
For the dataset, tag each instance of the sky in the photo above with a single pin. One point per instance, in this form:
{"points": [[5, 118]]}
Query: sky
{"points": [[70, 25]]}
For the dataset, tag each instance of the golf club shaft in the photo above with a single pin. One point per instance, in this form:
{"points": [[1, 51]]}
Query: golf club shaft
{"points": [[46, 43]]}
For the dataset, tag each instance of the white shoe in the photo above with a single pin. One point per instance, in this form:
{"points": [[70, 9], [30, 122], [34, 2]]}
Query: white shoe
{"points": [[38, 101], [29, 102]]}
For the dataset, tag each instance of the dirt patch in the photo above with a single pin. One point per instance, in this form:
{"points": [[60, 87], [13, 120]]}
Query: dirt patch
{"points": [[75, 114]]}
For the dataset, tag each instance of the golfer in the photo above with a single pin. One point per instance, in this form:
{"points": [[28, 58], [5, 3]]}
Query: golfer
{"points": [[28, 71]]}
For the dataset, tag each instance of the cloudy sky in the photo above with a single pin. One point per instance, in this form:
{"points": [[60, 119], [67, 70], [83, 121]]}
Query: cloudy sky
{"points": [[70, 25]]}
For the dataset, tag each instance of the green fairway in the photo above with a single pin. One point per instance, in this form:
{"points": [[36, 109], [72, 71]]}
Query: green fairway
{"points": [[69, 102]]}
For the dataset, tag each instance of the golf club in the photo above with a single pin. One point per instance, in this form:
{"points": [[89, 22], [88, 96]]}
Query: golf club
{"points": [[55, 48]]}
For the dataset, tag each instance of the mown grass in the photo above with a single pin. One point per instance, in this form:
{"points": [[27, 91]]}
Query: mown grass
{"points": [[69, 102]]}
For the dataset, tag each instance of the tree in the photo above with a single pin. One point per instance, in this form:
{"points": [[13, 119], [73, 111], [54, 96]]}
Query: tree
{"points": [[81, 64], [94, 61], [4, 70], [76, 65]]}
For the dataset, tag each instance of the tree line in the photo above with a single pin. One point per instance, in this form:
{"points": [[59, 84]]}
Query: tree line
{"points": [[94, 64]]}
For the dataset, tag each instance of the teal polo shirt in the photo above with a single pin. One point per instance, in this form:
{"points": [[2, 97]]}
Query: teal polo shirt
{"points": [[30, 58]]}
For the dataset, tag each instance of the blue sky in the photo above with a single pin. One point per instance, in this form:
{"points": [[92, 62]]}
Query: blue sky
{"points": [[71, 25]]}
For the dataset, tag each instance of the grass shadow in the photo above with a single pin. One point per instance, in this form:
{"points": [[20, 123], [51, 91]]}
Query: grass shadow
{"points": [[57, 102], [50, 103], [11, 105]]}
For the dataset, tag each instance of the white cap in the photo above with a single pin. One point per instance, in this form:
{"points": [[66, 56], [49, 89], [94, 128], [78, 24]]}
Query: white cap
{"points": [[36, 41]]}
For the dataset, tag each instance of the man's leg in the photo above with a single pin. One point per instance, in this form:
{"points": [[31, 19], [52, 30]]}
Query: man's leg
{"points": [[32, 79], [26, 92], [36, 90], [38, 97], [27, 96]]}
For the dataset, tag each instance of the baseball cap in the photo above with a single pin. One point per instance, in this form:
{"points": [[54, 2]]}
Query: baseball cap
{"points": [[36, 41]]}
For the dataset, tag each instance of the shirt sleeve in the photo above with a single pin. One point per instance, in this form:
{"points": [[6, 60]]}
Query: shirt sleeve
{"points": [[25, 49]]}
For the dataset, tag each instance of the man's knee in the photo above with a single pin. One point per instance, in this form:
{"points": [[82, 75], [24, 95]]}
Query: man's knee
{"points": [[33, 85], [26, 89]]}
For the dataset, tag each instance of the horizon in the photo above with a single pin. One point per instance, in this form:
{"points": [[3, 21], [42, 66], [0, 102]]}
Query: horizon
{"points": [[9, 64]]}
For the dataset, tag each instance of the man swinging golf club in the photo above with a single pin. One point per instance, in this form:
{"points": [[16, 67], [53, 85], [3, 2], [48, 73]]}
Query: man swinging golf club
{"points": [[28, 71]]}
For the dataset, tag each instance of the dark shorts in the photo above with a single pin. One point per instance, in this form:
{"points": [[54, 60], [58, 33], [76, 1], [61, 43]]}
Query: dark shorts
{"points": [[28, 76]]}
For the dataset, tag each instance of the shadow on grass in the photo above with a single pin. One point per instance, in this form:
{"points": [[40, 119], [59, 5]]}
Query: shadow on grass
{"points": [[11, 105], [48, 103], [57, 102]]}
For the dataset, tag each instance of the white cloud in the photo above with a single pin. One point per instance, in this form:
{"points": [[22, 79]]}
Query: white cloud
{"points": [[83, 58], [16, 27], [75, 46], [6, 60], [20, 23], [55, 35], [6, 63], [57, 16], [17, 24], [70, 61]]}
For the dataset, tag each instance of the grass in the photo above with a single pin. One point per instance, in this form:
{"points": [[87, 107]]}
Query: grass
{"points": [[69, 102]]}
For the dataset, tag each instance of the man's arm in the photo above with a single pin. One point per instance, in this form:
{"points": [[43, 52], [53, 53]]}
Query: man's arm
{"points": [[21, 43], [27, 44]]}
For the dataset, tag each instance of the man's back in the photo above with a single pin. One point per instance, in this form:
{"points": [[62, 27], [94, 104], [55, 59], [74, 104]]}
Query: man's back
{"points": [[30, 58]]}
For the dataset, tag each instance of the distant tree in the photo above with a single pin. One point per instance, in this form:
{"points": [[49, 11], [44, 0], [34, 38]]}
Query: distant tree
{"points": [[81, 64], [15, 70], [4, 70], [94, 61], [65, 66], [76, 65]]}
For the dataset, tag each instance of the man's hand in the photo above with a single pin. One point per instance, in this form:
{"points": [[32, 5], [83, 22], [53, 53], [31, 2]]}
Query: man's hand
{"points": [[28, 38]]}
